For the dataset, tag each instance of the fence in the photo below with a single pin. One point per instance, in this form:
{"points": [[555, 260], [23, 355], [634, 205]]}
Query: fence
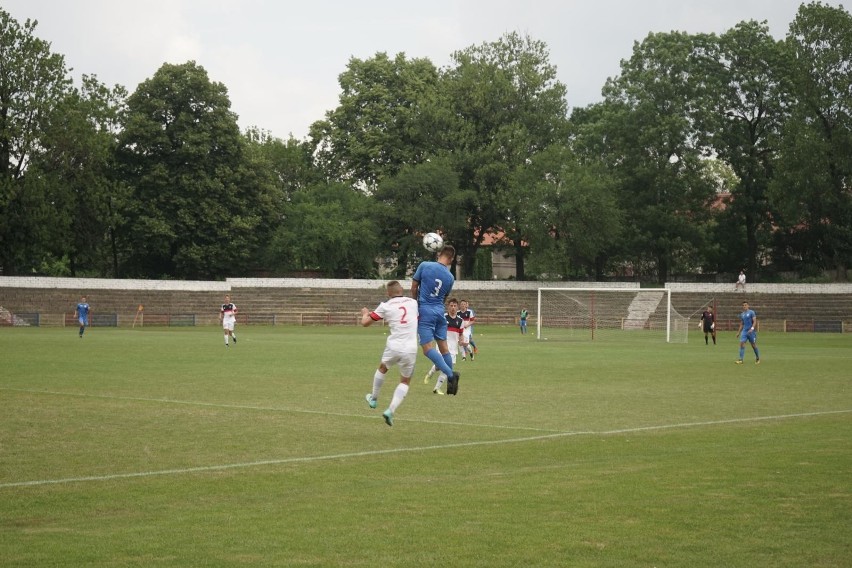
{"points": [[329, 318], [37, 319]]}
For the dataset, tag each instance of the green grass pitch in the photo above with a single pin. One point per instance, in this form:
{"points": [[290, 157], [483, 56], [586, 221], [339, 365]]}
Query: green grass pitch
{"points": [[160, 447]]}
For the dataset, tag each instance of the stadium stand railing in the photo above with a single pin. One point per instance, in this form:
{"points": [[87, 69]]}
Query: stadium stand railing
{"points": [[50, 302]]}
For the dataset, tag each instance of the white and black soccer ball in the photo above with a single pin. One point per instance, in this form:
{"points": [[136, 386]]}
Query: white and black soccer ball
{"points": [[433, 242]]}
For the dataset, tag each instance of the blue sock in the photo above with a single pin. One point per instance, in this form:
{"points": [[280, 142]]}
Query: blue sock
{"points": [[448, 359], [435, 356], [756, 352], [742, 352]]}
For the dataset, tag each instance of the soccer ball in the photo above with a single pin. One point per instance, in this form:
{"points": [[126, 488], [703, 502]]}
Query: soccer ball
{"points": [[433, 242]]}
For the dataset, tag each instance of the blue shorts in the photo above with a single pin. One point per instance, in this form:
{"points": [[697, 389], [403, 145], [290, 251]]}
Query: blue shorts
{"points": [[431, 324], [750, 336], [84, 321]]}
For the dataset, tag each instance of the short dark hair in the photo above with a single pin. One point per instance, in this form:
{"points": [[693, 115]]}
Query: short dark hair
{"points": [[448, 249]]}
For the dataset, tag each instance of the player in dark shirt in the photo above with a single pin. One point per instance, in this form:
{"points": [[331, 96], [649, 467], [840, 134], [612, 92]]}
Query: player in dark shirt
{"points": [[455, 326], [708, 324]]}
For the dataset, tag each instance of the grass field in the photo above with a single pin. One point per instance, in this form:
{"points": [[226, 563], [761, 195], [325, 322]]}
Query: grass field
{"points": [[163, 448]]}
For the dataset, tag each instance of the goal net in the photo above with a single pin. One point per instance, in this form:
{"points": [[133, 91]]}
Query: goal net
{"points": [[609, 313]]}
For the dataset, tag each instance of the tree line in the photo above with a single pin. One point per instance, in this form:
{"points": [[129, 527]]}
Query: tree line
{"points": [[707, 153]]}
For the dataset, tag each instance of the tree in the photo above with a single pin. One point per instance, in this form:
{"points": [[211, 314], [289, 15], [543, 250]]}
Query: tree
{"points": [[421, 198], [746, 106], [289, 163], [575, 206], [330, 229], [33, 81], [812, 186], [650, 115], [376, 130], [504, 105], [76, 170], [195, 212]]}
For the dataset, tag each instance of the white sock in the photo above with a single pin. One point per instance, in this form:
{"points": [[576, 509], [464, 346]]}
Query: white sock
{"points": [[226, 340], [441, 378], [431, 371], [378, 381], [398, 396]]}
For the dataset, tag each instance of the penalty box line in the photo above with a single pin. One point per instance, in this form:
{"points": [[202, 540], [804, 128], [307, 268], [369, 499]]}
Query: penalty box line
{"points": [[346, 455]]}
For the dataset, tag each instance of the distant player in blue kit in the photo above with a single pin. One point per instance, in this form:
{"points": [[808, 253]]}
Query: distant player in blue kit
{"points": [[748, 332], [81, 314], [430, 285]]}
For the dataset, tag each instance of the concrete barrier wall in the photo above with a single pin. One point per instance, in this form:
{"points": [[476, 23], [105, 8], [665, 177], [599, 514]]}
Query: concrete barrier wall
{"points": [[305, 301]]}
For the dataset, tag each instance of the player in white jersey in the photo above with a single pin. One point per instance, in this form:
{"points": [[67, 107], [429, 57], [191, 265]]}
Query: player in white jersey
{"points": [[228, 317], [466, 345], [400, 313]]}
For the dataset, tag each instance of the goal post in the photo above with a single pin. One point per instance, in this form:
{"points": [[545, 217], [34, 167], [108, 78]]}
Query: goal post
{"points": [[609, 313]]}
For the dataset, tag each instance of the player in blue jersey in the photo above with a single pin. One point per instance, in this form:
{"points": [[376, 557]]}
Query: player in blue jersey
{"points": [[81, 314], [748, 332], [430, 285]]}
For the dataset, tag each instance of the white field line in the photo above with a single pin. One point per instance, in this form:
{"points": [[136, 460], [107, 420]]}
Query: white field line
{"points": [[269, 409], [307, 459]]}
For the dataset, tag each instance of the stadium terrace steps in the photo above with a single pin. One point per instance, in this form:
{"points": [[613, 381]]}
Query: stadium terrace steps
{"points": [[330, 306], [772, 309]]}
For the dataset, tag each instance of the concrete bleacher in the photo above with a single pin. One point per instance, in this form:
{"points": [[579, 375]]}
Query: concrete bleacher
{"points": [[338, 302], [779, 307]]}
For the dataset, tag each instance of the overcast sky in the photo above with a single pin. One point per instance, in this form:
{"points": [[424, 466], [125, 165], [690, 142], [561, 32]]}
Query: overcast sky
{"points": [[280, 59]]}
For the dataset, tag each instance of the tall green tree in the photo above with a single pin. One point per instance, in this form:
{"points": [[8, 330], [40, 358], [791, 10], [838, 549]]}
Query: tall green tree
{"points": [[650, 127], [194, 212], [746, 108], [288, 163], [285, 170], [33, 82], [578, 220], [77, 171], [812, 187], [376, 128], [328, 229], [504, 106], [420, 198]]}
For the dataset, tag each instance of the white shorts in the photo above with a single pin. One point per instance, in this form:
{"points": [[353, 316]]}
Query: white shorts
{"points": [[405, 361], [466, 335], [228, 323]]}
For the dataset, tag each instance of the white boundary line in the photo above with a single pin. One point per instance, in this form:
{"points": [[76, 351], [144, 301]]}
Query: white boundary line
{"points": [[269, 409], [307, 459]]}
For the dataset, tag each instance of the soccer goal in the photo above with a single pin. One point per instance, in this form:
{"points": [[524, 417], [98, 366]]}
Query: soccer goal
{"points": [[609, 313]]}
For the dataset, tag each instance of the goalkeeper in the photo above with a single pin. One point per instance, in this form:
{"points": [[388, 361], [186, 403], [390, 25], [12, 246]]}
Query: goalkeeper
{"points": [[708, 324]]}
